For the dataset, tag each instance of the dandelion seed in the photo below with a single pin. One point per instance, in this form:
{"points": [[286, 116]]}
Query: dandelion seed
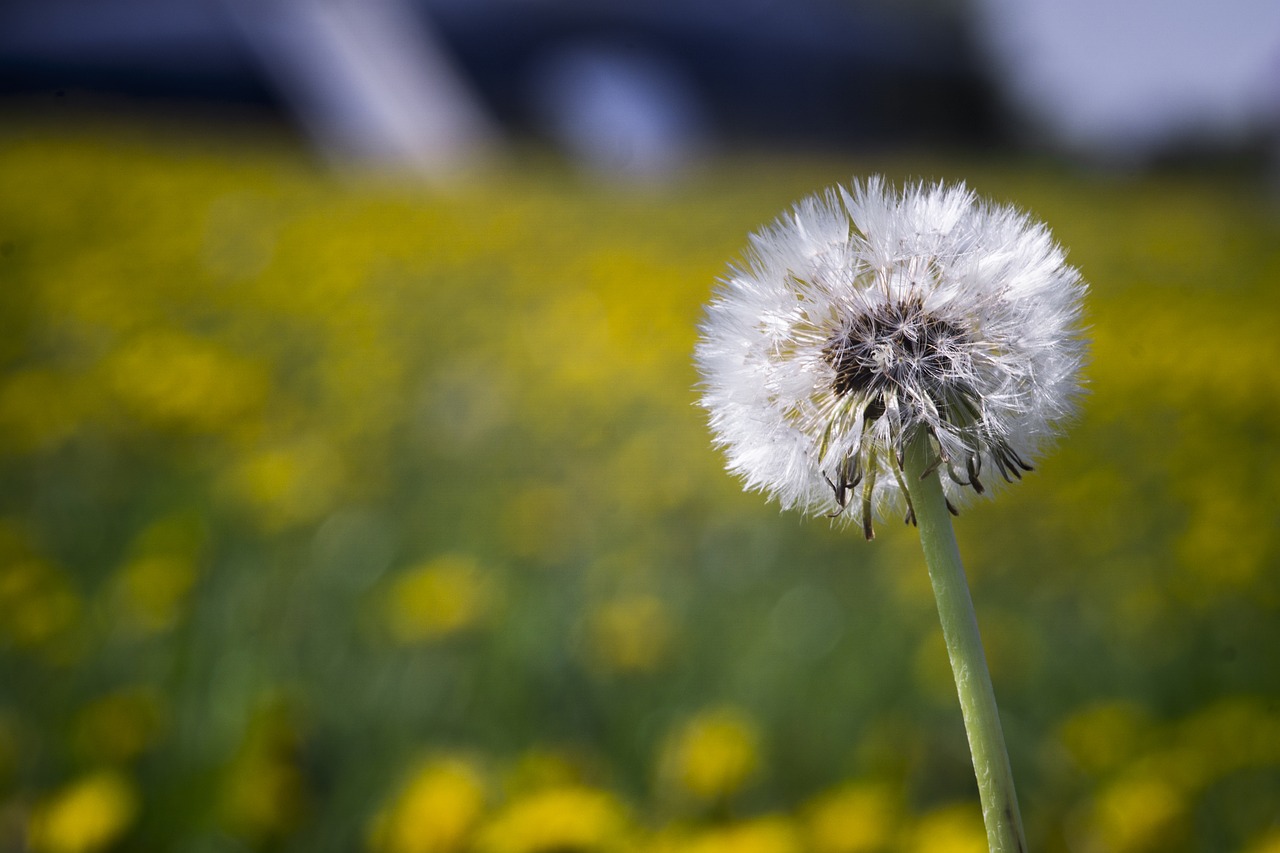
{"points": [[867, 317], [882, 351]]}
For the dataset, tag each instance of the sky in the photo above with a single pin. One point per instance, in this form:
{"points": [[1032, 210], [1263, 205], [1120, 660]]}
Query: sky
{"points": [[1119, 76]]}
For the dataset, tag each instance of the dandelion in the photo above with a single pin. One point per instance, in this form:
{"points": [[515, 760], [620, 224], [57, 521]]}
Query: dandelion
{"points": [[88, 815], [571, 817], [867, 318], [881, 353], [435, 812], [713, 755]]}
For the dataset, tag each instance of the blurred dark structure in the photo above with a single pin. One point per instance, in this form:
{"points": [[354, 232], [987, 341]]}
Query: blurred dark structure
{"points": [[619, 86], [834, 73]]}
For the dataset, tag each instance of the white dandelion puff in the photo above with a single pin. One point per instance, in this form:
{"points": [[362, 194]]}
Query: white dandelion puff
{"points": [[867, 317]]}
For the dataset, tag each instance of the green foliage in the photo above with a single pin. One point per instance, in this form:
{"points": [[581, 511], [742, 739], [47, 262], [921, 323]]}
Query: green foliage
{"points": [[340, 515]]}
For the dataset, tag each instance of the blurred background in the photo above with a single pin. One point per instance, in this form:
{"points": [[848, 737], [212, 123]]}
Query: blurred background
{"points": [[354, 495]]}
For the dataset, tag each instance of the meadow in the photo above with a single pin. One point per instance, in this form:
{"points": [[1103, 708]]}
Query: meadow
{"points": [[369, 515]]}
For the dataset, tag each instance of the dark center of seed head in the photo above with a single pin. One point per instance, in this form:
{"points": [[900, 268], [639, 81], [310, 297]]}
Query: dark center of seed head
{"points": [[882, 349]]}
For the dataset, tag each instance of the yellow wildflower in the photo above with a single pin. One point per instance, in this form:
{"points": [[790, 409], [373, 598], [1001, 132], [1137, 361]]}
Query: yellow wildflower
{"points": [[557, 820], [714, 754], [437, 598], [435, 812], [85, 816]]}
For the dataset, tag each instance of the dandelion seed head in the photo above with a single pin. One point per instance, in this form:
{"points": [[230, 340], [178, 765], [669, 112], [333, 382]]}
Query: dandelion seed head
{"points": [[866, 317]]}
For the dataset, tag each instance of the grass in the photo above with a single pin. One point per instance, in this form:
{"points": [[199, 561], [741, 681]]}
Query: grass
{"points": [[346, 515]]}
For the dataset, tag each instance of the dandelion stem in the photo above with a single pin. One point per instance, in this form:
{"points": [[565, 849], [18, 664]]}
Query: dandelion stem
{"points": [[964, 647]]}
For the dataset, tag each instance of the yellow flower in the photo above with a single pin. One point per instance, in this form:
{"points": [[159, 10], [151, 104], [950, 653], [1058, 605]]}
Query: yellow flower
{"points": [[171, 379], [558, 820], [38, 603], [153, 586], [120, 725], [1231, 734], [852, 819], [264, 792], [437, 598], [85, 816], [951, 829], [771, 834], [1103, 736], [630, 634], [153, 590], [288, 484], [1269, 842], [435, 812], [1138, 813], [544, 767], [713, 755]]}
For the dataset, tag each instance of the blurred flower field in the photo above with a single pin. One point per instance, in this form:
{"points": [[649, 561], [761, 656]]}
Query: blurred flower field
{"points": [[364, 516]]}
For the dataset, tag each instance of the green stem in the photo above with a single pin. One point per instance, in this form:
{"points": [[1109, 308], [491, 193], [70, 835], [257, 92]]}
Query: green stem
{"points": [[964, 646]]}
